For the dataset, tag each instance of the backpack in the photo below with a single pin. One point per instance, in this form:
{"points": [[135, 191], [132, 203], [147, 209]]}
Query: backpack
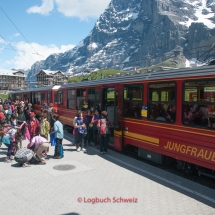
{"points": [[103, 127], [8, 115]]}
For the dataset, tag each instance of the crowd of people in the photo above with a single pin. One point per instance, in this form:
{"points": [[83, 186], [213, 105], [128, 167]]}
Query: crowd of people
{"points": [[19, 122], [91, 129]]}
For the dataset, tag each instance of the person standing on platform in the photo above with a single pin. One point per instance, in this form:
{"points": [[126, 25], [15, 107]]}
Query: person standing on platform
{"points": [[4, 138], [87, 121], [80, 131], [58, 131], [34, 125], [21, 115], [103, 130], [95, 119], [28, 110], [44, 126]]}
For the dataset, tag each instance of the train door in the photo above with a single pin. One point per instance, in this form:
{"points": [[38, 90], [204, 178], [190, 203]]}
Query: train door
{"points": [[118, 134], [112, 103]]}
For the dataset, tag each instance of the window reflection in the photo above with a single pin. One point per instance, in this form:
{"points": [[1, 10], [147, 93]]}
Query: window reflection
{"points": [[198, 103], [162, 102], [133, 100]]}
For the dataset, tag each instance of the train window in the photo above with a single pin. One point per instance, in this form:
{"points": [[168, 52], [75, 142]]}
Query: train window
{"points": [[43, 98], [55, 97], [25, 97], [198, 103], [38, 98], [110, 97], [81, 98], [49, 97], [71, 99], [91, 98], [60, 97], [17, 97], [33, 98], [161, 102], [97, 95], [133, 100]]}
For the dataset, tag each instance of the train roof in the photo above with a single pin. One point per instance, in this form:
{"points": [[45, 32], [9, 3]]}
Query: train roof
{"points": [[135, 77], [36, 89], [154, 75]]}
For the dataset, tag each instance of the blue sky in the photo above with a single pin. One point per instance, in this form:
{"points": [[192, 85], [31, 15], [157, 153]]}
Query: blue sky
{"points": [[48, 26]]}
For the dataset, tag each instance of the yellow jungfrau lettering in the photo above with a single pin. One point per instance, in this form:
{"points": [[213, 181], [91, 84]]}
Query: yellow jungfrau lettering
{"points": [[182, 149], [209, 156], [171, 147], [167, 145], [213, 157], [201, 153], [194, 150], [177, 147], [189, 149]]}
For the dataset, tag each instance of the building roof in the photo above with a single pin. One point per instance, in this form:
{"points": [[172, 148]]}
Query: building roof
{"points": [[11, 73], [49, 72]]}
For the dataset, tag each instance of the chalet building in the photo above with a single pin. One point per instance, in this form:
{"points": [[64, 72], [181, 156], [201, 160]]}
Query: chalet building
{"points": [[12, 80], [47, 78]]}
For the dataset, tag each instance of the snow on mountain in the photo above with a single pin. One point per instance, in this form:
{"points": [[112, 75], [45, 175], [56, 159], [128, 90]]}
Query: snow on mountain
{"points": [[202, 12], [139, 33]]}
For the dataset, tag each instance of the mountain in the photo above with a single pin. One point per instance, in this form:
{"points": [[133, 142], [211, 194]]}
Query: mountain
{"points": [[140, 33]]}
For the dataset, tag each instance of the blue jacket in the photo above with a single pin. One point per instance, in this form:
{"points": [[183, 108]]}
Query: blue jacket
{"points": [[58, 129]]}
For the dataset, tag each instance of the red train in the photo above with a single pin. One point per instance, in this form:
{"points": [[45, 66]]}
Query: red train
{"points": [[163, 113]]}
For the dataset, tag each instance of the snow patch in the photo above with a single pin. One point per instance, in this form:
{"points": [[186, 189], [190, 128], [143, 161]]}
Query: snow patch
{"points": [[193, 63], [126, 60], [92, 46], [199, 7], [187, 63]]}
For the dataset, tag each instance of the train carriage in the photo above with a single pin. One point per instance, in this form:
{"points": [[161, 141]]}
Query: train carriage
{"points": [[163, 113], [36, 96], [43, 95]]}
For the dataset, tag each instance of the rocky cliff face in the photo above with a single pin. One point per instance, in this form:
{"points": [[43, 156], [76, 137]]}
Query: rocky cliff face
{"points": [[140, 33]]}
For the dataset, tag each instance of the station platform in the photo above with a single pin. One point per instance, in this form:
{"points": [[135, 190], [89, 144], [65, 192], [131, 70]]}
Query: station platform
{"points": [[90, 183]]}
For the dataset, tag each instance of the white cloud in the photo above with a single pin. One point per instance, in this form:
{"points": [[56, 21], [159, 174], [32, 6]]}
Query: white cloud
{"points": [[46, 7], [82, 9], [27, 57], [15, 35]]}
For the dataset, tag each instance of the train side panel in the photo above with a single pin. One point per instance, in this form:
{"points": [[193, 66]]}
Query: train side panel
{"points": [[192, 145]]}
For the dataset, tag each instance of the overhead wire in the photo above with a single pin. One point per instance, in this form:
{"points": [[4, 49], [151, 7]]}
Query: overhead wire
{"points": [[14, 49], [208, 52], [140, 60], [19, 30]]}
